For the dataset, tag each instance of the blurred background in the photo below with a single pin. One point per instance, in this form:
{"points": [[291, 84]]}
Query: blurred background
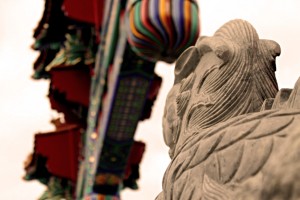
{"points": [[25, 109]]}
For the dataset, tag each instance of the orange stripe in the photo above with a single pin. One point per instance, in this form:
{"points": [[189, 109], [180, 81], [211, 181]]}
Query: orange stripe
{"points": [[169, 22], [163, 13], [100, 197], [187, 15], [132, 26], [187, 22]]}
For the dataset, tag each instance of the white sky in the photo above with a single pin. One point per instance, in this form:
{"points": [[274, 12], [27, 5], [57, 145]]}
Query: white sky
{"points": [[24, 108]]}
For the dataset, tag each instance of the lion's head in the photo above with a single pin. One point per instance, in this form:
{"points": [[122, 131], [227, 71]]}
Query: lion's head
{"points": [[223, 76]]}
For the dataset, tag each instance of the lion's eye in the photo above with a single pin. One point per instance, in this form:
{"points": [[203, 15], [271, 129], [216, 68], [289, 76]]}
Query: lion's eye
{"points": [[187, 83], [210, 79]]}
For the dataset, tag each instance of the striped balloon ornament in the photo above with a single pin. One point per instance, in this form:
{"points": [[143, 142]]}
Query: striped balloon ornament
{"points": [[162, 29]]}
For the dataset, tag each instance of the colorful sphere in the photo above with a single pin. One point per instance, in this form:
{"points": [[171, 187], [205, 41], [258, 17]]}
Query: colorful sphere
{"points": [[162, 29]]}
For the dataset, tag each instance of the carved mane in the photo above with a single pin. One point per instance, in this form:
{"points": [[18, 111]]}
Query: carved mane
{"points": [[244, 78], [217, 137]]}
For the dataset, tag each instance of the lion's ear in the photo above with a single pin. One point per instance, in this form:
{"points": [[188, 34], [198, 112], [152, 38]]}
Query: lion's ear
{"points": [[273, 47], [186, 63], [219, 46]]}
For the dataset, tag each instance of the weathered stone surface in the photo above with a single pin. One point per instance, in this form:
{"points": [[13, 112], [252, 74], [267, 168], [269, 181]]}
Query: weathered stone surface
{"points": [[230, 135]]}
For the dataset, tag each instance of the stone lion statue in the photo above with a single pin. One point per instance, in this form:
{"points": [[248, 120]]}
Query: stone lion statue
{"points": [[231, 133]]}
